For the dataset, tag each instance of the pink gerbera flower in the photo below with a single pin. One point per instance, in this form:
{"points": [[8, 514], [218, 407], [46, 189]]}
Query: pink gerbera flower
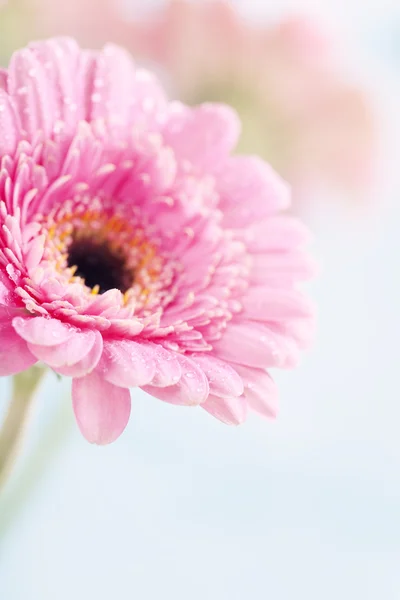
{"points": [[134, 250]]}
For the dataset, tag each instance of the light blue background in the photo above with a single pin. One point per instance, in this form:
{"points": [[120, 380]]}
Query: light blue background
{"points": [[183, 507]]}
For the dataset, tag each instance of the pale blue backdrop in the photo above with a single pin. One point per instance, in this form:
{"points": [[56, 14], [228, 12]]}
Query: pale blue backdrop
{"points": [[182, 507]]}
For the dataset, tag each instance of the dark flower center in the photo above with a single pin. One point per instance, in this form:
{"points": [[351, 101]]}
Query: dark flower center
{"points": [[99, 266]]}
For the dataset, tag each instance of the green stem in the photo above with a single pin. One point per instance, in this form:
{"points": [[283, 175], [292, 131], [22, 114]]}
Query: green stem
{"points": [[25, 385]]}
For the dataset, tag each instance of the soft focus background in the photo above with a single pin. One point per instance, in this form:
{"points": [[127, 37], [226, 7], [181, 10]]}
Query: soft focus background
{"points": [[307, 507]]}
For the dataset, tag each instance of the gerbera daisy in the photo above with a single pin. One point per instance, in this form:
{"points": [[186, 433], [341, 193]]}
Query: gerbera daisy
{"points": [[134, 249]]}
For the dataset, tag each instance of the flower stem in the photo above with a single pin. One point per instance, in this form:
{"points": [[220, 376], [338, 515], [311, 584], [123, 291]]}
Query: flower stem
{"points": [[25, 385]]}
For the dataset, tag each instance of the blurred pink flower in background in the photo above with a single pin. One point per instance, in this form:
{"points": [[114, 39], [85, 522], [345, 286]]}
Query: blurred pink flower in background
{"points": [[134, 249], [298, 108]]}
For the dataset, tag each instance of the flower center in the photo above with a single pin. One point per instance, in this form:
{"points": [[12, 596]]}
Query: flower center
{"points": [[99, 247], [101, 268]]}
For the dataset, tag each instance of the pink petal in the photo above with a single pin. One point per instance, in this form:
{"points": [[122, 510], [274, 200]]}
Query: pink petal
{"points": [[8, 313], [68, 353], [88, 363], [14, 353], [126, 363], [282, 268], [9, 125], [42, 331], [249, 190], [302, 331], [231, 411], [203, 136], [150, 99], [31, 92], [254, 345], [268, 304], [275, 233], [102, 410], [191, 390], [168, 369], [114, 93], [111, 299], [8, 300], [125, 96], [223, 380], [126, 327], [260, 390], [5, 286], [35, 253]]}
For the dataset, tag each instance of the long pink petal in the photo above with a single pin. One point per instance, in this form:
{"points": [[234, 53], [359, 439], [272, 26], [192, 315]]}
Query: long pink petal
{"points": [[9, 125], [114, 93], [102, 410], [282, 268], [68, 353], [260, 390], [254, 345], [203, 136], [126, 363], [88, 363], [31, 93], [14, 353], [42, 331], [276, 233], [192, 389], [268, 304], [223, 380], [231, 411], [168, 369], [249, 190]]}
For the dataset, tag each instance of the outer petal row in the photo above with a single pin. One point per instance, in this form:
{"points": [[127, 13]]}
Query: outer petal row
{"points": [[103, 373]]}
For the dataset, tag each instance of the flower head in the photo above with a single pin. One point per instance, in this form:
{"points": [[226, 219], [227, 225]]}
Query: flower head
{"points": [[134, 249]]}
